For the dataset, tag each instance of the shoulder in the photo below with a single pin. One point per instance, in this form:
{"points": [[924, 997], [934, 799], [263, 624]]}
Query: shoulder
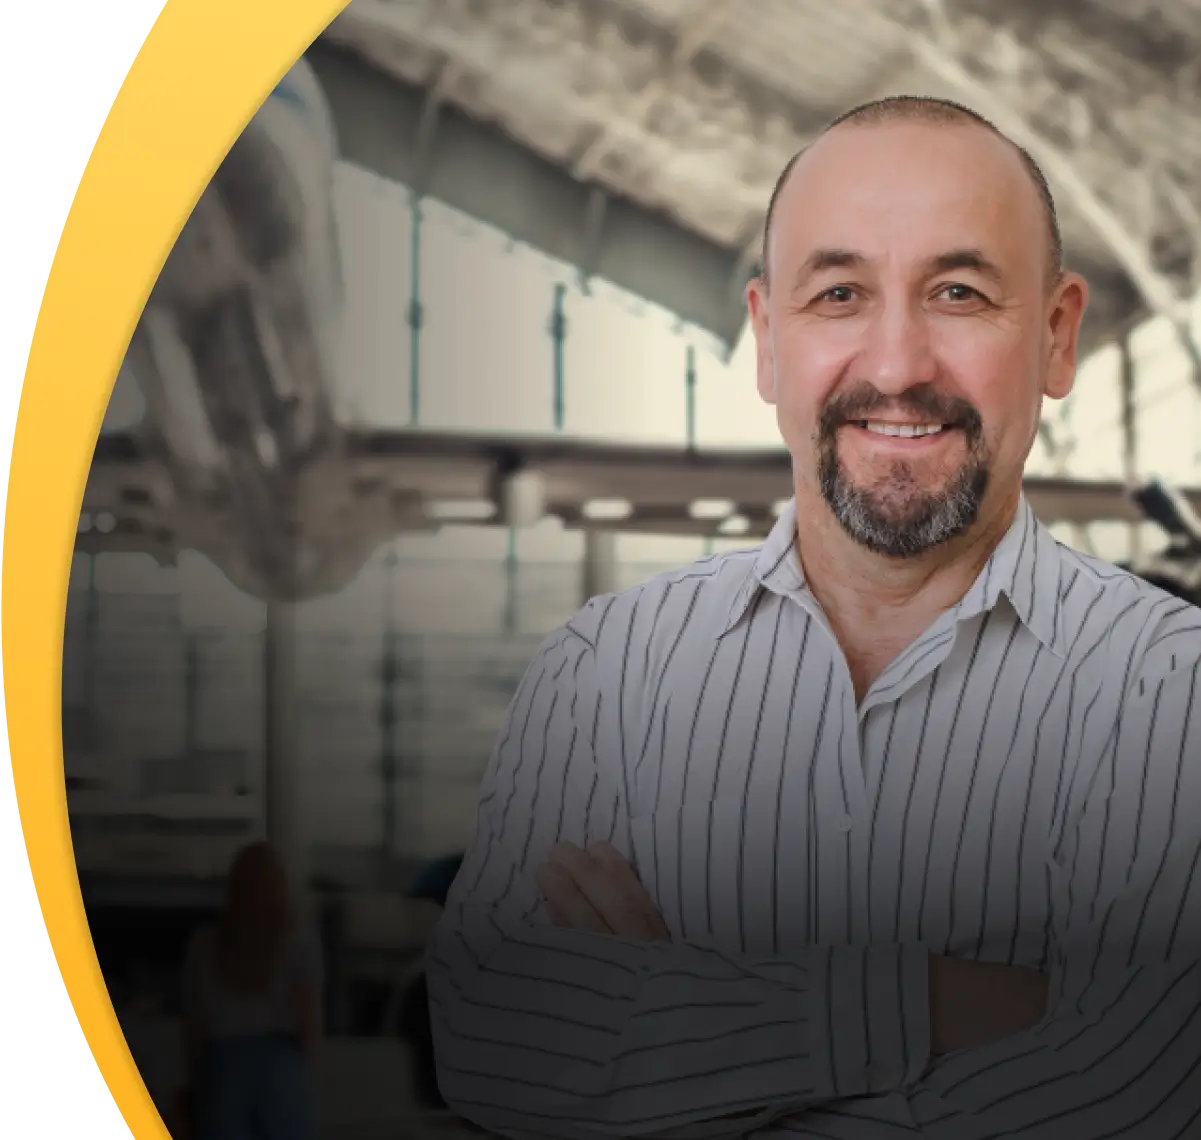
{"points": [[618, 637], [1122, 600], [1153, 630], [700, 593]]}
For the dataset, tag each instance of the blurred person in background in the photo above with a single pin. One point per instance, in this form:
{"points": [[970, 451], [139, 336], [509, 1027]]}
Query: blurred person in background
{"points": [[252, 1012]]}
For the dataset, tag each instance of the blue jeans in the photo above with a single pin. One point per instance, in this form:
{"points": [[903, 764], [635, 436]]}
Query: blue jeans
{"points": [[254, 1088]]}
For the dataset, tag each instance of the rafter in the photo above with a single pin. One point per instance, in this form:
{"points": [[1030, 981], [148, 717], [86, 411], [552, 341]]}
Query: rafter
{"points": [[446, 75], [1190, 217], [1108, 46], [693, 32]]}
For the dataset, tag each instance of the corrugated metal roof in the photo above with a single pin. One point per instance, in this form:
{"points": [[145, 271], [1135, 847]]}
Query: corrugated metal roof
{"points": [[703, 137]]}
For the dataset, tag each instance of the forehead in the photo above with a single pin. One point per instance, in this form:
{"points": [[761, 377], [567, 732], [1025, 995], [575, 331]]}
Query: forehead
{"points": [[910, 190]]}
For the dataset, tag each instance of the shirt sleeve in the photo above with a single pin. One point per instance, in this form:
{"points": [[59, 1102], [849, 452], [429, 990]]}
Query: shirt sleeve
{"points": [[547, 1032], [1119, 1052]]}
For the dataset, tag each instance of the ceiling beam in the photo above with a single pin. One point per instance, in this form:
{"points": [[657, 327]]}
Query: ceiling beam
{"points": [[696, 29], [1114, 50], [445, 77], [476, 168]]}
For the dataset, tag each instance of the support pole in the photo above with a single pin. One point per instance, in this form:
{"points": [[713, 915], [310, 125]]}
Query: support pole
{"points": [[389, 751], [600, 564], [191, 694], [511, 582], [416, 313], [690, 397], [281, 798], [558, 335], [1129, 432]]}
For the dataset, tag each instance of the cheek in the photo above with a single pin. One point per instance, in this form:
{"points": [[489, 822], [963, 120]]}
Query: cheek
{"points": [[999, 379], [807, 370]]}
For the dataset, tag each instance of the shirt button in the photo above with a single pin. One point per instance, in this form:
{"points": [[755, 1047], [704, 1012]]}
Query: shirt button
{"points": [[843, 822]]}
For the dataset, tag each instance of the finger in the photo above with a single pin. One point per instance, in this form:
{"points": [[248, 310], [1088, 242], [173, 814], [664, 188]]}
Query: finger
{"points": [[557, 917], [636, 894], [612, 888], [566, 903], [631, 900], [618, 900], [603, 890]]}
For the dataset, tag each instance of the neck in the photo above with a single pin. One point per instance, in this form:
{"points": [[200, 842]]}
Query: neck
{"points": [[858, 589]]}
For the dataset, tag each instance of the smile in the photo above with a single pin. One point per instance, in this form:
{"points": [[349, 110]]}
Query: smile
{"points": [[902, 431]]}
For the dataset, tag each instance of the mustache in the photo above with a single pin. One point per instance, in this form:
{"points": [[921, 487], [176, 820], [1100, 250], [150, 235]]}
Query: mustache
{"points": [[921, 401]]}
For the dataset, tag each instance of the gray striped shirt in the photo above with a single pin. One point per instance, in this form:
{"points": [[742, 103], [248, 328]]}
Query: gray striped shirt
{"points": [[1021, 785]]}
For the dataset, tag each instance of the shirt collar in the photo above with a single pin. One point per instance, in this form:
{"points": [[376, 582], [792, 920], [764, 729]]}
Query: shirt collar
{"points": [[1026, 568], [776, 568]]}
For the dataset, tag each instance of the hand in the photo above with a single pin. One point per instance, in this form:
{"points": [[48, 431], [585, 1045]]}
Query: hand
{"points": [[597, 891], [974, 1003]]}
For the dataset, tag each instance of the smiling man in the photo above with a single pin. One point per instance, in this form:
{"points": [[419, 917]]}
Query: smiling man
{"points": [[881, 828]]}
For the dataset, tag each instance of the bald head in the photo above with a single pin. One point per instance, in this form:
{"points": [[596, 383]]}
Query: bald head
{"points": [[917, 285], [934, 112]]}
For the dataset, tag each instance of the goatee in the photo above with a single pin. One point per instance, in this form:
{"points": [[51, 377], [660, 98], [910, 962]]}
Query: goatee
{"points": [[894, 516]]}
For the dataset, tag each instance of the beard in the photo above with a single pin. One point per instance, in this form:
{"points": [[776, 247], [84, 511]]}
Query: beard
{"points": [[895, 516]]}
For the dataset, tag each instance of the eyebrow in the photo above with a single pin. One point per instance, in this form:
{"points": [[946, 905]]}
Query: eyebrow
{"points": [[821, 260], [972, 259]]}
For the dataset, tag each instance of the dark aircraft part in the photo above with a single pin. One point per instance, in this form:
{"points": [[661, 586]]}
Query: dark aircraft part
{"points": [[235, 353]]}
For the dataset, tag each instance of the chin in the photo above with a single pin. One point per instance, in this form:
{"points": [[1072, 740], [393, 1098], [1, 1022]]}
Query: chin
{"points": [[900, 518]]}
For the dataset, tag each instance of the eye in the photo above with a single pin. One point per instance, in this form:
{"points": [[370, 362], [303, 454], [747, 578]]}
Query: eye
{"points": [[839, 294], [959, 293]]}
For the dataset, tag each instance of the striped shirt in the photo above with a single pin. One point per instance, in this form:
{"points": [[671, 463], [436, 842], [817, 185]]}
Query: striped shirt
{"points": [[1020, 786]]}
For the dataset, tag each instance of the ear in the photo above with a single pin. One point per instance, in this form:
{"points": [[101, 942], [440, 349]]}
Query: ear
{"points": [[765, 365], [1065, 313]]}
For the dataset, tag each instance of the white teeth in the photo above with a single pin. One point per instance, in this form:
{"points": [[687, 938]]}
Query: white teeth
{"points": [[906, 431]]}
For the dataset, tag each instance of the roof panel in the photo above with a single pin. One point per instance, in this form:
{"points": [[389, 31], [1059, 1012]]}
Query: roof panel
{"points": [[703, 139], [822, 56]]}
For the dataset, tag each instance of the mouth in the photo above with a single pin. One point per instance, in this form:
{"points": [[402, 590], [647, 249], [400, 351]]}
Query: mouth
{"points": [[901, 431], [904, 435]]}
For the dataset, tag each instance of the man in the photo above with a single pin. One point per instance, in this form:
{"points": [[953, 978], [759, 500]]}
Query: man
{"points": [[888, 827]]}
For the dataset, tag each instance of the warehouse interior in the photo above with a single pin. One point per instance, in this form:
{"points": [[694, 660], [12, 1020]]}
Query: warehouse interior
{"points": [[456, 340]]}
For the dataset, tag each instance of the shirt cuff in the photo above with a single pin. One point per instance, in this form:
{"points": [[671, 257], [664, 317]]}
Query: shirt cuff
{"points": [[875, 1018]]}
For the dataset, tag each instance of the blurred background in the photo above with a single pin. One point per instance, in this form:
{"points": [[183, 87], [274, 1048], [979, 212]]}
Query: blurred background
{"points": [[455, 340]]}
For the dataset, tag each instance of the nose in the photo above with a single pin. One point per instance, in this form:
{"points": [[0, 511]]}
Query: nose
{"points": [[897, 350]]}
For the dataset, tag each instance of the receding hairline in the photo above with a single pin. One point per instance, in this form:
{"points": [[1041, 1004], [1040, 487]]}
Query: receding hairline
{"points": [[937, 112]]}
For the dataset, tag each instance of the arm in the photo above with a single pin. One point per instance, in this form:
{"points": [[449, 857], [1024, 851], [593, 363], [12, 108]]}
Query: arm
{"points": [[1119, 1052], [542, 1031]]}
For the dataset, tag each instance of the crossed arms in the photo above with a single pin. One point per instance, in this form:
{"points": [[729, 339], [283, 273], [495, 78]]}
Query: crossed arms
{"points": [[560, 1009]]}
